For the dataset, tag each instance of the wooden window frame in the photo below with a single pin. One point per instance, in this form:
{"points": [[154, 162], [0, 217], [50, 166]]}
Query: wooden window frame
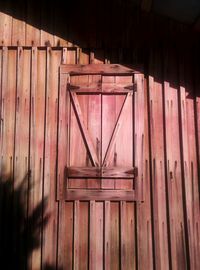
{"points": [[68, 94]]}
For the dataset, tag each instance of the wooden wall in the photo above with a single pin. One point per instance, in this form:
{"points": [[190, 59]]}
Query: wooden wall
{"points": [[160, 233]]}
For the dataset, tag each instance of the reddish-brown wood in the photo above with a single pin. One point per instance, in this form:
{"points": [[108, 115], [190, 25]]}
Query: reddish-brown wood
{"points": [[163, 230], [100, 195], [92, 120], [93, 236], [85, 134], [95, 88], [105, 172], [99, 69], [157, 166], [107, 157]]}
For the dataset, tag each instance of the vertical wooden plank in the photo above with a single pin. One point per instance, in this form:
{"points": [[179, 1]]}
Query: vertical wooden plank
{"points": [[174, 179], [114, 236], [1, 139], [197, 121], [130, 236], [60, 25], [157, 164], [47, 20], [189, 161], [21, 153], [66, 235], [63, 126], [107, 240], [123, 236], [8, 110], [22, 115], [7, 209], [76, 263], [52, 81], [5, 23], [139, 135], [3, 62], [37, 148], [33, 24], [83, 235], [143, 210], [19, 24], [92, 237], [99, 223]]}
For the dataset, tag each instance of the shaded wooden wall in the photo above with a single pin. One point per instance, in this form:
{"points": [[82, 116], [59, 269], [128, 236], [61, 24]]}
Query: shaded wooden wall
{"points": [[160, 233]]}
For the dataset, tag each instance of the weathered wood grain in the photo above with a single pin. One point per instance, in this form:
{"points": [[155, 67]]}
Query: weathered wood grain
{"points": [[161, 232], [100, 195], [157, 164], [99, 69]]}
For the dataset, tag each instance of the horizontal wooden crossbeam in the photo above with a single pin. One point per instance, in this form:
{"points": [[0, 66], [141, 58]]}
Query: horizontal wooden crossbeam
{"points": [[100, 195], [103, 172], [99, 69], [102, 89]]}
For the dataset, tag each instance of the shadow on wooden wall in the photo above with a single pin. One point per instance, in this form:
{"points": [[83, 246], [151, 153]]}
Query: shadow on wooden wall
{"points": [[20, 228]]}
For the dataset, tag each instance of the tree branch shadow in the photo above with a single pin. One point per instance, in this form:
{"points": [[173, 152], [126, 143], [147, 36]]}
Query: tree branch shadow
{"points": [[20, 231]]}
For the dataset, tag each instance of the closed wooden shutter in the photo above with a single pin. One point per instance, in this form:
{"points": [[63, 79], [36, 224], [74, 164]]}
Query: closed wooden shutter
{"points": [[100, 140]]}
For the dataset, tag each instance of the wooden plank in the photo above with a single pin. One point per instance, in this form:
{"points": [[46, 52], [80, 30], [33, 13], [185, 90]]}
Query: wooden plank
{"points": [[173, 160], [139, 135], [105, 172], [99, 195], [107, 230], [84, 235], [99, 228], [116, 130], [47, 24], [99, 69], [3, 100], [22, 114], [76, 251], [1, 106], [5, 23], [8, 98], [60, 27], [145, 249], [18, 24], [63, 127], [197, 121], [157, 164], [123, 236], [189, 161], [65, 235], [53, 58], [32, 24], [131, 248], [92, 236], [84, 132], [98, 88], [37, 148], [114, 236], [8, 95], [21, 153]]}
